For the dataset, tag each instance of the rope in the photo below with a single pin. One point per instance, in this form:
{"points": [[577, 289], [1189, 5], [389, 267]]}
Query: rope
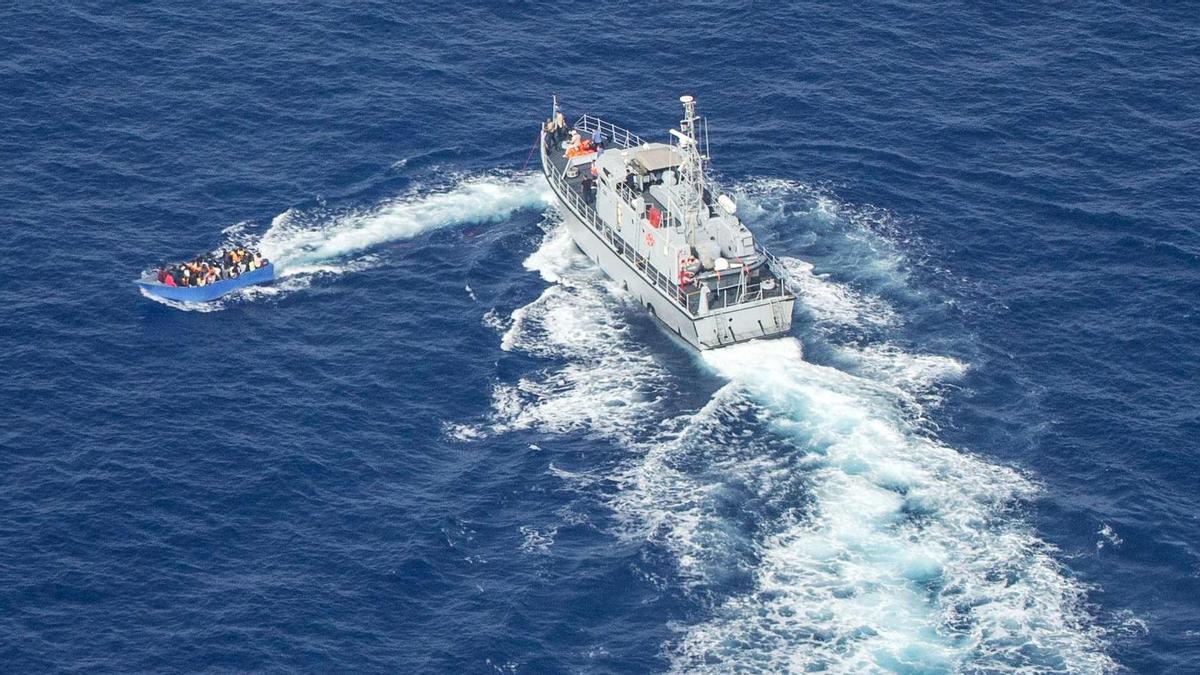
{"points": [[530, 156]]}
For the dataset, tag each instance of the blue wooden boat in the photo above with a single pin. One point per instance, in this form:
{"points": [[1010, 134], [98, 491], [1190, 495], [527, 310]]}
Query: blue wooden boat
{"points": [[209, 292]]}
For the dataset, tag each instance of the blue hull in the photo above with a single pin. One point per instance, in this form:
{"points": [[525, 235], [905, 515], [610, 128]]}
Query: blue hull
{"points": [[210, 292]]}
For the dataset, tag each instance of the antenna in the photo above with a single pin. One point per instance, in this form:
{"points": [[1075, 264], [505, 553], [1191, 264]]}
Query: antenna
{"points": [[691, 167], [688, 124]]}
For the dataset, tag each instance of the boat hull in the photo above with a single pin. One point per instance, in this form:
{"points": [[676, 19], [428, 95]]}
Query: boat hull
{"points": [[210, 292], [718, 328]]}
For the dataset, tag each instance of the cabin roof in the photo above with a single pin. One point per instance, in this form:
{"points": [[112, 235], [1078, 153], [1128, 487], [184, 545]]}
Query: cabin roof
{"points": [[654, 157]]}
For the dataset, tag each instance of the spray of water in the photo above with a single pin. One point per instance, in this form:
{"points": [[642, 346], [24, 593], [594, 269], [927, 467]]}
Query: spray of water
{"points": [[577, 320], [810, 508], [306, 244], [301, 243], [906, 555]]}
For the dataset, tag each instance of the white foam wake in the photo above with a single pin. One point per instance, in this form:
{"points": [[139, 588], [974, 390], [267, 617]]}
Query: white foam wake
{"points": [[201, 307], [842, 535], [833, 303], [305, 243], [606, 383], [907, 558]]}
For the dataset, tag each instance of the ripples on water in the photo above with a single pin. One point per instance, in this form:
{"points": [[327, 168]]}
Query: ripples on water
{"points": [[443, 442]]}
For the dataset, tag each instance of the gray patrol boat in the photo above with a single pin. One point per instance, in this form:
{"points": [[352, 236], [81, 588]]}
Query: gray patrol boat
{"points": [[654, 221]]}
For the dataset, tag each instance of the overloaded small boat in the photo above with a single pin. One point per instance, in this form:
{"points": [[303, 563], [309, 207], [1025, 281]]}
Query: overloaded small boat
{"points": [[208, 277]]}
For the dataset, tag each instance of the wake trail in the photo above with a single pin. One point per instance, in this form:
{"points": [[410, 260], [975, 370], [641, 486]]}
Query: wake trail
{"points": [[810, 509], [608, 385], [304, 244], [906, 556], [301, 242]]}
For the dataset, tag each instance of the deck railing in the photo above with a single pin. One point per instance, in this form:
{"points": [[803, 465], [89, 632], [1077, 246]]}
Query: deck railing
{"points": [[773, 263], [688, 300], [744, 291], [628, 195], [616, 135]]}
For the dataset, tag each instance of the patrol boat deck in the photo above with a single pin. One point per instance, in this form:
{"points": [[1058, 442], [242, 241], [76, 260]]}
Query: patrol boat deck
{"points": [[652, 220]]}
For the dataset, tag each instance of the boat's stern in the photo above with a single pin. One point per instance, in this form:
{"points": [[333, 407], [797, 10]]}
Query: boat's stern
{"points": [[767, 318]]}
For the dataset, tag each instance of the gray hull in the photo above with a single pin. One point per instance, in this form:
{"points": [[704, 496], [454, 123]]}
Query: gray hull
{"points": [[651, 218], [717, 328]]}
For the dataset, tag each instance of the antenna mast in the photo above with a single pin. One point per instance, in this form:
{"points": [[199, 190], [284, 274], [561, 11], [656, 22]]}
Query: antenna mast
{"points": [[691, 167]]}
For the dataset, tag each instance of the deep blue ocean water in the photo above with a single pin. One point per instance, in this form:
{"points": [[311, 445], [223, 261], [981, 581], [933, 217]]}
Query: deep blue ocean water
{"points": [[442, 443]]}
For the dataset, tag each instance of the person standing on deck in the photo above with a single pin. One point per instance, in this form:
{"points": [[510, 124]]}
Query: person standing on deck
{"points": [[588, 185], [560, 125]]}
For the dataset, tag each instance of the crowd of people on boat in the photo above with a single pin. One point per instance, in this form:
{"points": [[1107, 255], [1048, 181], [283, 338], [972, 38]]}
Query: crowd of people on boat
{"points": [[216, 266]]}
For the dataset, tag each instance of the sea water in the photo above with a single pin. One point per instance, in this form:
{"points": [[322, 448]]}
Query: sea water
{"points": [[442, 441]]}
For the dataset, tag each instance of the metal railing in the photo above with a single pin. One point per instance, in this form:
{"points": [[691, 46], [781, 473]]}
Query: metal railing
{"points": [[616, 135], [736, 294], [742, 293], [628, 196], [626, 193], [688, 300], [774, 264]]}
